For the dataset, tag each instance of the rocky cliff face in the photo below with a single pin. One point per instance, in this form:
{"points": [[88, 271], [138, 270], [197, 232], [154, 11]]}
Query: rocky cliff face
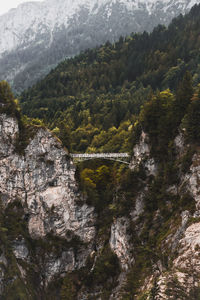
{"points": [[184, 242], [48, 231], [173, 254], [43, 182], [178, 276], [43, 179]]}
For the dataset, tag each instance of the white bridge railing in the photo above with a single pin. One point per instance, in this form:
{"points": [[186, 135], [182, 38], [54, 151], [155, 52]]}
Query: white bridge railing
{"points": [[100, 155], [110, 156]]}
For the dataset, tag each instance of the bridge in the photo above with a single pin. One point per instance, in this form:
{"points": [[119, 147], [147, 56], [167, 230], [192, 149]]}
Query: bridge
{"points": [[120, 157]]}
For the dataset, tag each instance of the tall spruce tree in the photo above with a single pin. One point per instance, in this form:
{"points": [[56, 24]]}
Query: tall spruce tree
{"points": [[183, 96]]}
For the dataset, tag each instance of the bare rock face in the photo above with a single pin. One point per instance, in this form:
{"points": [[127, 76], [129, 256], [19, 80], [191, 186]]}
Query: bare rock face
{"points": [[139, 206], [189, 248], [120, 242], [183, 238], [51, 191], [8, 136], [59, 265], [43, 179], [141, 154], [179, 143], [193, 180], [20, 249], [185, 270], [189, 244]]}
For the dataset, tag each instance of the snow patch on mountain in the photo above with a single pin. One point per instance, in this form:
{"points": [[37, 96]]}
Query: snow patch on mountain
{"points": [[38, 35], [20, 25]]}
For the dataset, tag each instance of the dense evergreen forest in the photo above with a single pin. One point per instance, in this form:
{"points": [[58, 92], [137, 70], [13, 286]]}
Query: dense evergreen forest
{"points": [[92, 101]]}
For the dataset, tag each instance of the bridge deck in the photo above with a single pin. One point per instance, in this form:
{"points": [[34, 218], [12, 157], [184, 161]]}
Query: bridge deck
{"points": [[100, 155]]}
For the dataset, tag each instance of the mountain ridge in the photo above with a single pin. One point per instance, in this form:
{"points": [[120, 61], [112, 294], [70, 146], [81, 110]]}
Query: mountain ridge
{"points": [[36, 36]]}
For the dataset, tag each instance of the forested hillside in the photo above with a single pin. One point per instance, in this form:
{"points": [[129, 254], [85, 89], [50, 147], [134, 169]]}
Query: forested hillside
{"points": [[35, 37], [92, 101]]}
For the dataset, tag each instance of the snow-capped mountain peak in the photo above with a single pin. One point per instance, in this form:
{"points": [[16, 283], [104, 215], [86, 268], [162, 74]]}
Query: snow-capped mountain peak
{"points": [[45, 32]]}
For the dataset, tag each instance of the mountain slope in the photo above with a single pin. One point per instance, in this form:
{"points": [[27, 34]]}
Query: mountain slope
{"points": [[97, 95], [106, 231], [36, 36]]}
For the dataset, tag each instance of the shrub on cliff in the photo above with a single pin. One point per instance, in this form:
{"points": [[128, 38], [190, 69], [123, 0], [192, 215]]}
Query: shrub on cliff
{"points": [[8, 104]]}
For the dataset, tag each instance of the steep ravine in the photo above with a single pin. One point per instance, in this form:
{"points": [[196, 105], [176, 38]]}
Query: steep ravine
{"points": [[48, 232]]}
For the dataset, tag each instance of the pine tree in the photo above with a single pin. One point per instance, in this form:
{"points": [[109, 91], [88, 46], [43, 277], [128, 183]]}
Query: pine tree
{"points": [[192, 120], [183, 96]]}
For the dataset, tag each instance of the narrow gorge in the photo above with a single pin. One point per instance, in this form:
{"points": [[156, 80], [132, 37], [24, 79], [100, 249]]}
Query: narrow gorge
{"points": [[48, 230]]}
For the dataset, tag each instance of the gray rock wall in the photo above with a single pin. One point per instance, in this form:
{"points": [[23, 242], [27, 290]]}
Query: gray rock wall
{"points": [[44, 181]]}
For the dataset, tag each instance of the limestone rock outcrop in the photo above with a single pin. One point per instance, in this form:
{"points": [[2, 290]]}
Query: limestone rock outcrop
{"points": [[184, 272], [120, 242], [142, 155], [43, 180]]}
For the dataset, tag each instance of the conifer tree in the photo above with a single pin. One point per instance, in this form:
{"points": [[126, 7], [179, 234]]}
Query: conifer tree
{"points": [[183, 96], [191, 121]]}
